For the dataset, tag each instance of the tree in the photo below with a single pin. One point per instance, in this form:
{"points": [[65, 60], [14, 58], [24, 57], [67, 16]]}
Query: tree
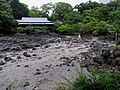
{"points": [[73, 17], [19, 9], [6, 18], [87, 6], [34, 12], [115, 20], [46, 8], [61, 9], [88, 16]]}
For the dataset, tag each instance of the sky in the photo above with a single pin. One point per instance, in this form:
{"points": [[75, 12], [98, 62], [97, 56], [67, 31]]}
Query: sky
{"points": [[39, 3]]}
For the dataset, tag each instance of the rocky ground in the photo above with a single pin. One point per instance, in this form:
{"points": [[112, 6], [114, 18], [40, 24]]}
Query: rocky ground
{"points": [[29, 62]]}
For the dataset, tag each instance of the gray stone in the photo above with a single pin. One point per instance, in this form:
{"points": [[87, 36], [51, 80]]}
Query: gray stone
{"points": [[116, 53], [26, 66], [34, 48], [105, 53], [26, 54], [1, 68], [19, 57], [40, 58], [83, 64], [38, 73], [13, 61], [34, 55], [2, 62], [95, 59], [26, 84], [8, 59]]}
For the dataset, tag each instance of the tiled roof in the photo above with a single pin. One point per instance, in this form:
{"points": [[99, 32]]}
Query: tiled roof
{"points": [[31, 19]]}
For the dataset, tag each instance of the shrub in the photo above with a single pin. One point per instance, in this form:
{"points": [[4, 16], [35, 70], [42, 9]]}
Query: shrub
{"points": [[64, 29], [75, 28], [118, 41], [87, 29], [102, 28], [116, 47], [96, 81], [31, 30]]}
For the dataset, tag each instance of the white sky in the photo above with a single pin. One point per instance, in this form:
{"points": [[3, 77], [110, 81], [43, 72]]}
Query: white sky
{"points": [[39, 3]]}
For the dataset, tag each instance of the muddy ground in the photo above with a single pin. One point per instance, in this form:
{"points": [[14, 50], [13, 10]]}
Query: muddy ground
{"points": [[32, 62]]}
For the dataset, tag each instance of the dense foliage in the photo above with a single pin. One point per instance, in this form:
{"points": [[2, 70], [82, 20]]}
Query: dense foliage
{"points": [[6, 18], [32, 30], [85, 18], [96, 81], [19, 9]]}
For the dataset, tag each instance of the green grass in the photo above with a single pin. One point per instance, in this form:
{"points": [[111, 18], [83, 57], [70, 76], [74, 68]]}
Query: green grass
{"points": [[116, 47], [95, 81]]}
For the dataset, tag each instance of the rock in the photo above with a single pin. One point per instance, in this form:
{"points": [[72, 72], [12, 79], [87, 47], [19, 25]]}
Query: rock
{"points": [[34, 48], [68, 70], [8, 59], [72, 65], [64, 57], [117, 61], [34, 55], [13, 61], [6, 49], [25, 46], [105, 53], [90, 68], [26, 54], [58, 47], [46, 71], [37, 69], [26, 66], [93, 44], [116, 53], [1, 68], [38, 73], [58, 40], [98, 60], [18, 48], [83, 64], [1, 56], [48, 65], [40, 58], [26, 84], [19, 57], [46, 46], [57, 65], [2, 62], [18, 65], [109, 61]]}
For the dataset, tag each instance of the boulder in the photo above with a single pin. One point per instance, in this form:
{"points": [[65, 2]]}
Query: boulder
{"points": [[8, 58], [26, 54], [26, 84], [2, 62], [1, 68], [34, 55], [19, 57], [116, 53], [105, 53], [99, 61]]}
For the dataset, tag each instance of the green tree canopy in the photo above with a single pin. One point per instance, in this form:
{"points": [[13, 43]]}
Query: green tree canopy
{"points": [[87, 6], [19, 9], [6, 17], [34, 12], [61, 9], [46, 8], [73, 17]]}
